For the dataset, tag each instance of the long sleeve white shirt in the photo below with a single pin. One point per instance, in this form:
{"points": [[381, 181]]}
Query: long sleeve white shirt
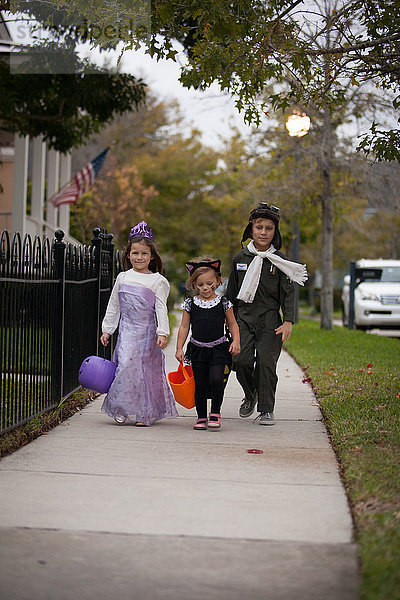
{"points": [[153, 281]]}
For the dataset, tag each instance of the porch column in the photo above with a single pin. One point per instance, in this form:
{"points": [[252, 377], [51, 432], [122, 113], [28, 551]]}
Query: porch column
{"points": [[53, 177], [18, 219], [38, 184], [65, 177]]}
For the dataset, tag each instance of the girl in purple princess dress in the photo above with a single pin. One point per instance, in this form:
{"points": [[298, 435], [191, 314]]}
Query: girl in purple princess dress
{"points": [[139, 393]]}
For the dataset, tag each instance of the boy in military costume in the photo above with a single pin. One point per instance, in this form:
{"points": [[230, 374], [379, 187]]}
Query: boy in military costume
{"points": [[261, 288]]}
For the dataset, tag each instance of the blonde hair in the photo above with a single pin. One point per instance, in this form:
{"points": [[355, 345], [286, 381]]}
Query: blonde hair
{"points": [[191, 281]]}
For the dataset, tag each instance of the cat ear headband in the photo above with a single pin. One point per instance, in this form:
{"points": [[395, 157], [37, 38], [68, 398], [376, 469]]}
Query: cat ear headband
{"points": [[213, 264]]}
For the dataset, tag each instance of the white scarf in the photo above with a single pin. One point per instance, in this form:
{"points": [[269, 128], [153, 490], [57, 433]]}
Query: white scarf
{"points": [[295, 271]]}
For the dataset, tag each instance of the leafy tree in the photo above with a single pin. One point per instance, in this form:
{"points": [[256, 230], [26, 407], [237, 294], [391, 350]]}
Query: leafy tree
{"points": [[244, 44], [119, 200], [120, 197], [156, 175], [326, 119], [181, 216], [65, 108], [368, 225], [293, 179], [133, 133]]}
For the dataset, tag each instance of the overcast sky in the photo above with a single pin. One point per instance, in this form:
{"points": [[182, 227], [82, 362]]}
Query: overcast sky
{"points": [[212, 112]]}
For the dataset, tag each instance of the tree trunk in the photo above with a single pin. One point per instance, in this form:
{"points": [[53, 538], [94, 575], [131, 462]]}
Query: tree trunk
{"points": [[327, 222]]}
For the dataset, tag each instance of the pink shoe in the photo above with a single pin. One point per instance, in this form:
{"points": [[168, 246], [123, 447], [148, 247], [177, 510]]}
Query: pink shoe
{"points": [[201, 424], [216, 422]]}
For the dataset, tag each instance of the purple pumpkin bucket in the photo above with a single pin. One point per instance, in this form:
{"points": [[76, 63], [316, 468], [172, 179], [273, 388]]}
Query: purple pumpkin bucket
{"points": [[97, 374]]}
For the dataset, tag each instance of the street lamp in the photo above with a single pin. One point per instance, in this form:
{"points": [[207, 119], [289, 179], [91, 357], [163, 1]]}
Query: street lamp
{"points": [[297, 125]]}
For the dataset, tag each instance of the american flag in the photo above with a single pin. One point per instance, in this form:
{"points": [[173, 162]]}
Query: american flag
{"points": [[80, 184]]}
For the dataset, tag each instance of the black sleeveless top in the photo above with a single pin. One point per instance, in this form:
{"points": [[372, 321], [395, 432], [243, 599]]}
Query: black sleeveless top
{"points": [[208, 324]]}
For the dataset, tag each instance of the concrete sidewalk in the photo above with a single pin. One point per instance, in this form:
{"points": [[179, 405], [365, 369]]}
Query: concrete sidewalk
{"points": [[93, 510]]}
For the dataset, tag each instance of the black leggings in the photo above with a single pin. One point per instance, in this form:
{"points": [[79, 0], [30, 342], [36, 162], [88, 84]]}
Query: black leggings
{"points": [[209, 383]]}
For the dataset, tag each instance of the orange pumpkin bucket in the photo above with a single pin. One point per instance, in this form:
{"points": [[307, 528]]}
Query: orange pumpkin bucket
{"points": [[182, 385]]}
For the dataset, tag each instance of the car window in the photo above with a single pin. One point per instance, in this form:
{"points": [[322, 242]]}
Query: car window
{"points": [[390, 274], [369, 274]]}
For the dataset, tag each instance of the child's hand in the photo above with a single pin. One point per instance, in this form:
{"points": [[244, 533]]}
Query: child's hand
{"points": [[162, 341], [105, 338], [285, 329], [179, 355], [234, 348]]}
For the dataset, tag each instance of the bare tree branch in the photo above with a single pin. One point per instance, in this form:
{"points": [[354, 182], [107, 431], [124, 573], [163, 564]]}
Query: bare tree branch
{"points": [[290, 8], [360, 46]]}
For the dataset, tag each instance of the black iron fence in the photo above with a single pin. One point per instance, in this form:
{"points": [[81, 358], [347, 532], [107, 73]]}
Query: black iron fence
{"points": [[52, 300]]}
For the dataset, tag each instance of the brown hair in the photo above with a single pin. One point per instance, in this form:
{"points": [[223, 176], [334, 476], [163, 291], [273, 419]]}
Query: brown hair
{"points": [[264, 211], [156, 264], [276, 240], [191, 281]]}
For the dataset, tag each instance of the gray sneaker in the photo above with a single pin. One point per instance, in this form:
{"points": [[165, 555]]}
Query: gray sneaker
{"points": [[265, 418], [247, 407]]}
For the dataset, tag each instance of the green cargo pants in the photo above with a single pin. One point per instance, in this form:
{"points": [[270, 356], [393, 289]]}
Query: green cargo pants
{"points": [[256, 364]]}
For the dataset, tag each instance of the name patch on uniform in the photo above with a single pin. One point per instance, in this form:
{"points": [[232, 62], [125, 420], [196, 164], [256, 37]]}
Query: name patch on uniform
{"points": [[241, 267]]}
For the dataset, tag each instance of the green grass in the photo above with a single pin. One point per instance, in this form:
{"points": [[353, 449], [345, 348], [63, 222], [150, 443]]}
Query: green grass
{"points": [[306, 310], [356, 378], [26, 350], [17, 403]]}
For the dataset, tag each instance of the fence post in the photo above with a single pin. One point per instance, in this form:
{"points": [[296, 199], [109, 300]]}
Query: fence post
{"points": [[110, 246], [351, 293], [108, 282], [58, 349], [97, 244]]}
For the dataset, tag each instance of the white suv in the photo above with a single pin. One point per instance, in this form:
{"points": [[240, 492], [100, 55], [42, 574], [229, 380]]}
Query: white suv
{"points": [[376, 295]]}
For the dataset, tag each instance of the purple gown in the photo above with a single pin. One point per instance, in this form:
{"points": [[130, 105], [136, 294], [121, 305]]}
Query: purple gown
{"points": [[140, 390]]}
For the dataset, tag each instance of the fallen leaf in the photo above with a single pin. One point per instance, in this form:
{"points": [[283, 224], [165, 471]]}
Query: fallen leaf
{"points": [[356, 449], [254, 451], [306, 380], [369, 365]]}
